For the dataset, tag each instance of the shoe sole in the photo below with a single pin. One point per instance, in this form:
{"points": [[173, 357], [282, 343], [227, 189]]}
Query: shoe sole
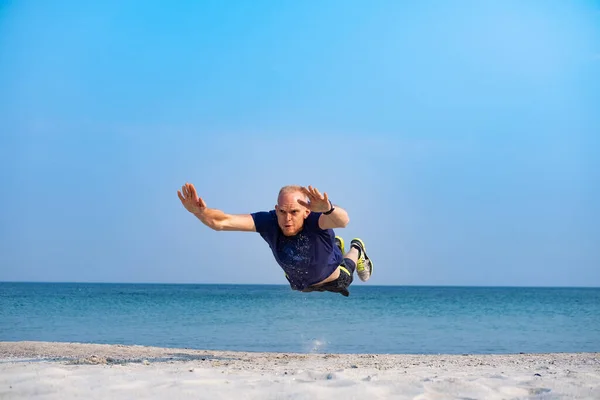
{"points": [[343, 249]]}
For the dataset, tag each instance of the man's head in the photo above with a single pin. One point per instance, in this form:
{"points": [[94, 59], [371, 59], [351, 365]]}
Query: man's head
{"points": [[290, 213]]}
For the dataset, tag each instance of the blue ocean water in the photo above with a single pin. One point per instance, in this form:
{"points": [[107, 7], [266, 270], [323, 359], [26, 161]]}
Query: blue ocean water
{"points": [[374, 319]]}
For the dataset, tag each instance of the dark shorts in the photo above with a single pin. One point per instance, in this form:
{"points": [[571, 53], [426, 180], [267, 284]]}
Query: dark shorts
{"points": [[341, 284]]}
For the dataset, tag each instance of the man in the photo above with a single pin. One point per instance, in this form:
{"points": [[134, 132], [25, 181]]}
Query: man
{"points": [[300, 234]]}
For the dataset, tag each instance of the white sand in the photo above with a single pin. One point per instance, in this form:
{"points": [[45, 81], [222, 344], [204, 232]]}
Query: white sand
{"points": [[91, 371]]}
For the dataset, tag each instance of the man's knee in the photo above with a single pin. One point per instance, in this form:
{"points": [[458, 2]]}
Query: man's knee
{"points": [[350, 265]]}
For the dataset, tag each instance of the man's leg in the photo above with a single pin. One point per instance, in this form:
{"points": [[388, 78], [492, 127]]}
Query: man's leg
{"points": [[355, 259], [351, 257], [358, 256]]}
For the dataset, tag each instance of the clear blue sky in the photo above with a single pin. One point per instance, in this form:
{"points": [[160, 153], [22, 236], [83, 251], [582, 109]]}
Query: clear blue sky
{"points": [[461, 136]]}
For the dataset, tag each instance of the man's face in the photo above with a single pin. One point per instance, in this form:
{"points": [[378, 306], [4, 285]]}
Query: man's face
{"points": [[290, 214]]}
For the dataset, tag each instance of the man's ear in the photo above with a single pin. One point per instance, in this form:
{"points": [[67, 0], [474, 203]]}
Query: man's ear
{"points": [[306, 213]]}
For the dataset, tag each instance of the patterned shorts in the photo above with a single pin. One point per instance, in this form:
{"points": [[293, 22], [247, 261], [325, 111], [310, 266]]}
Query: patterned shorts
{"points": [[341, 284]]}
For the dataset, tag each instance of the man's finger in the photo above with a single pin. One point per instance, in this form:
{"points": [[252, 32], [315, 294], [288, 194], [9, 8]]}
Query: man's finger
{"points": [[310, 193], [193, 191], [315, 193], [201, 202], [180, 196], [303, 203], [307, 191]]}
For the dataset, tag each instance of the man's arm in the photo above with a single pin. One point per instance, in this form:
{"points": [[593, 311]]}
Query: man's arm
{"points": [[213, 218], [336, 216], [219, 221], [337, 219]]}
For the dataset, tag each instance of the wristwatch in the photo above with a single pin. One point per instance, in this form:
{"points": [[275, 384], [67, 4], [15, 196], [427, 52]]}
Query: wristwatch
{"points": [[331, 209]]}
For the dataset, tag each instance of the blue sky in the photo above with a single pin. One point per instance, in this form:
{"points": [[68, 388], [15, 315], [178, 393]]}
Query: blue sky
{"points": [[461, 136]]}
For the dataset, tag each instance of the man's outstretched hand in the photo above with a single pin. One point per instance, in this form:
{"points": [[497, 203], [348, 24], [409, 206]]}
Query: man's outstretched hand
{"points": [[317, 202], [190, 200]]}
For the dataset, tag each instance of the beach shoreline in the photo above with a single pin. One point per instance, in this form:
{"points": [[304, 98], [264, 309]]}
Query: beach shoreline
{"points": [[67, 370]]}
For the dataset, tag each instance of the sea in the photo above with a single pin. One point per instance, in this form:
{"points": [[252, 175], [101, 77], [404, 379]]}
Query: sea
{"points": [[273, 318]]}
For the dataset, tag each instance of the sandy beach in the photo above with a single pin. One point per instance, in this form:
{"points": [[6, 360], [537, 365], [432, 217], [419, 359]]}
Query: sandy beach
{"points": [[94, 371]]}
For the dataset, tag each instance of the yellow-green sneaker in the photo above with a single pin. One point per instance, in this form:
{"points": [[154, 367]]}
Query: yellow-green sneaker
{"points": [[339, 242], [364, 266]]}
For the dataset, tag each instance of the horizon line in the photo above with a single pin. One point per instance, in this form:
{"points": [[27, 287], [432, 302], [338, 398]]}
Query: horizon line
{"points": [[286, 285]]}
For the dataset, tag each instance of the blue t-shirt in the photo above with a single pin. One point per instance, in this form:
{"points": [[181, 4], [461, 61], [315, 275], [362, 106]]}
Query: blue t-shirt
{"points": [[306, 258]]}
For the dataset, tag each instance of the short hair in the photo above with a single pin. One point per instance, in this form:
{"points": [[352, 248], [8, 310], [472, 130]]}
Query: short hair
{"points": [[291, 189]]}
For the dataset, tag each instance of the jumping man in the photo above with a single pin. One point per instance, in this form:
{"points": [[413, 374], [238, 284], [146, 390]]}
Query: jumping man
{"points": [[300, 233]]}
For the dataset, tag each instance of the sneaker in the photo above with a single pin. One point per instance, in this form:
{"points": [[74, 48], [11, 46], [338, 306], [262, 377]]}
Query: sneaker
{"points": [[364, 266], [339, 242]]}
